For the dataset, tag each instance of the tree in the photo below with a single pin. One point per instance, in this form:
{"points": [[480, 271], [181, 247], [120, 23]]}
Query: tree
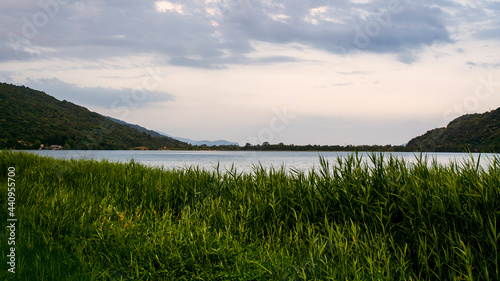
{"points": [[36, 144]]}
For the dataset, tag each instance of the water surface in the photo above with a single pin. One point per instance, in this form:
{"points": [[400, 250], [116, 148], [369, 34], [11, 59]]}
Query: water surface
{"points": [[243, 160]]}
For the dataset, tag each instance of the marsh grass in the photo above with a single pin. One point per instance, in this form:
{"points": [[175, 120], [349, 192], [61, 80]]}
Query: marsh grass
{"points": [[379, 218]]}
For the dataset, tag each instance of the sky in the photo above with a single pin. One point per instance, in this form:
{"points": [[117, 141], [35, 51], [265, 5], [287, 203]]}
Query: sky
{"points": [[253, 71]]}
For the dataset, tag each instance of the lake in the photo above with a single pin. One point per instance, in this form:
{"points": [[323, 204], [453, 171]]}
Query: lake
{"points": [[242, 160]]}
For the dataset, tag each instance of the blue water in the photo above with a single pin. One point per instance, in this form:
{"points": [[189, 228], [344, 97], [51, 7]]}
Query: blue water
{"points": [[241, 160]]}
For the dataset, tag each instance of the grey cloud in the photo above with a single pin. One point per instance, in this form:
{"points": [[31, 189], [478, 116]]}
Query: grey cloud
{"points": [[221, 63], [271, 59], [382, 32], [196, 38], [492, 33], [198, 63], [8, 54], [407, 57], [483, 64], [480, 16], [98, 96]]}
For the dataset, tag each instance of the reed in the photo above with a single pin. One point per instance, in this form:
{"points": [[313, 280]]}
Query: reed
{"points": [[379, 218]]}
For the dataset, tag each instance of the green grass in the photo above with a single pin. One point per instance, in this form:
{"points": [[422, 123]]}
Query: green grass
{"points": [[351, 219]]}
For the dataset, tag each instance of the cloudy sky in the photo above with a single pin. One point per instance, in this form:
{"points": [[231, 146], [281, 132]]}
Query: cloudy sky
{"points": [[292, 71]]}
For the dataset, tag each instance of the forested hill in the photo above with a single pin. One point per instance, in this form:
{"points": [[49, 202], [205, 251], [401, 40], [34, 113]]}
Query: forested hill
{"points": [[29, 118], [471, 132]]}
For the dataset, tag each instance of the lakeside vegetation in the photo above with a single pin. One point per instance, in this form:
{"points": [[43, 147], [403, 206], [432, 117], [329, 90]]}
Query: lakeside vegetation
{"points": [[350, 219]]}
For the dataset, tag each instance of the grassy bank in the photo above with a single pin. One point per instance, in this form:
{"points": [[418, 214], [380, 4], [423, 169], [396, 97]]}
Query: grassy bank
{"points": [[347, 220]]}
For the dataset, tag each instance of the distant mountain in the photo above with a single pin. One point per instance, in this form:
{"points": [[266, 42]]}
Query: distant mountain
{"points": [[29, 118], [471, 132], [139, 128], [204, 142], [161, 134], [207, 142]]}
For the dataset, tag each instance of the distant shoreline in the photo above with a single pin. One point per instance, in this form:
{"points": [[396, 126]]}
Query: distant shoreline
{"points": [[289, 148]]}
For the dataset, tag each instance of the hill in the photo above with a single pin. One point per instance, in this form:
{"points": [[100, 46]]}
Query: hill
{"points": [[29, 118], [471, 132]]}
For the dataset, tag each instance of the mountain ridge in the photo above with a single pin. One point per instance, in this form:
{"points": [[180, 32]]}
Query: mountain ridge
{"points": [[160, 134], [29, 118], [204, 142]]}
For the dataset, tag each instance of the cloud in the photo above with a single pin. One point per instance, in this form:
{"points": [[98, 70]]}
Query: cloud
{"points": [[5, 77], [99, 96], [483, 64], [197, 63], [492, 33], [407, 57], [201, 34], [342, 84], [163, 6], [354, 72]]}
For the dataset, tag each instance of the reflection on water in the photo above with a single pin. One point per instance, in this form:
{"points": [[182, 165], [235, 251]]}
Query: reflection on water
{"points": [[243, 160]]}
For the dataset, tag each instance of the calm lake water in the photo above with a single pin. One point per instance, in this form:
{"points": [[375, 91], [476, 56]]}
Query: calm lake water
{"points": [[242, 160]]}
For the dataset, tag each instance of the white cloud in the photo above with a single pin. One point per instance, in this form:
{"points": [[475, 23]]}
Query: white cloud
{"points": [[211, 11], [279, 17], [321, 13], [318, 11], [163, 6]]}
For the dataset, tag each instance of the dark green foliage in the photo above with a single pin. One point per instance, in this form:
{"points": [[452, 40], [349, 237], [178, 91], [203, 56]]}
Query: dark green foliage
{"points": [[471, 132], [29, 118], [354, 219]]}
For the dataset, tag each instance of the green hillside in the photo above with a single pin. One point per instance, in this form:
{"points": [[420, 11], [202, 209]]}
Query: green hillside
{"points": [[29, 118], [471, 132]]}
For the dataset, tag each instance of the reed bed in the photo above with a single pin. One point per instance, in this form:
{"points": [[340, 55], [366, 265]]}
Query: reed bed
{"points": [[379, 218]]}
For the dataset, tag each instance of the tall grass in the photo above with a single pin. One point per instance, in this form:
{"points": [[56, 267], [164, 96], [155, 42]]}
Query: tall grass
{"points": [[351, 219]]}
